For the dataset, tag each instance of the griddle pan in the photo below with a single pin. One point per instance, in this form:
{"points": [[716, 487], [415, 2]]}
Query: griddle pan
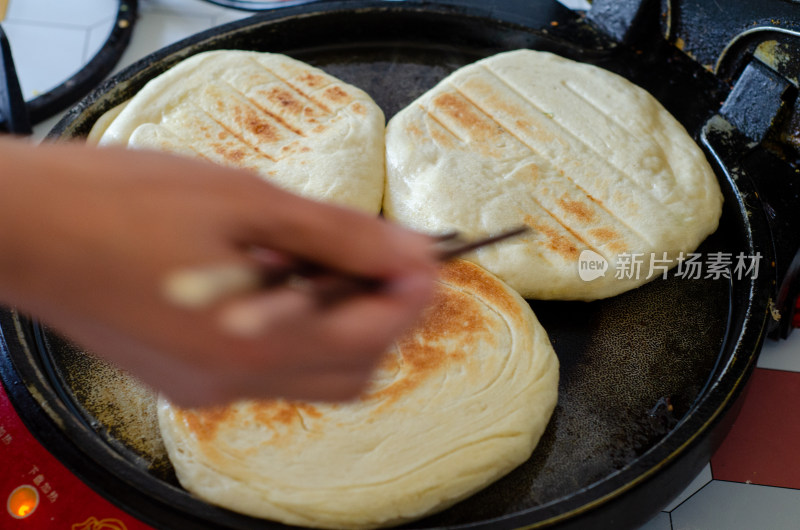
{"points": [[649, 379]]}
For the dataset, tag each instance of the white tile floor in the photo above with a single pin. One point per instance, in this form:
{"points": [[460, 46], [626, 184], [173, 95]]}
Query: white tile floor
{"points": [[79, 27], [783, 355], [701, 480], [721, 505], [51, 41]]}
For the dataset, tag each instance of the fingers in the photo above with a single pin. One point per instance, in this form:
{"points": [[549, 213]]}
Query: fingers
{"points": [[260, 315], [338, 332], [343, 239], [155, 215], [328, 385], [335, 346], [371, 322], [187, 382]]}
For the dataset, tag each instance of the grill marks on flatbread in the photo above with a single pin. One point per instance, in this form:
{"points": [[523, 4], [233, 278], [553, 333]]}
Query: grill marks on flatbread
{"points": [[293, 124], [485, 113], [251, 122], [577, 153], [458, 402]]}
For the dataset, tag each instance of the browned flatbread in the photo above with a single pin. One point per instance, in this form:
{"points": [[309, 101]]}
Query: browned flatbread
{"points": [[293, 124], [457, 403], [594, 164]]}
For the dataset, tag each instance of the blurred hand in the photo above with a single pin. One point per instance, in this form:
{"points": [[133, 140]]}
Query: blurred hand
{"points": [[88, 237]]}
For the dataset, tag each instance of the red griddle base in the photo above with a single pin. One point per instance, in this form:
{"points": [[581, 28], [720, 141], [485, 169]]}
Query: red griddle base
{"points": [[37, 491]]}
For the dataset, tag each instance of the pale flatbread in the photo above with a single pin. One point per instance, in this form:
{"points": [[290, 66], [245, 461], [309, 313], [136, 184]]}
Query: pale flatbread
{"points": [[594, 164], [293, 124], [458, 403]]}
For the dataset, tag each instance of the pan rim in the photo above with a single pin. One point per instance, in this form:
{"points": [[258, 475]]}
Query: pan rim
{"points": [[718, 398]]}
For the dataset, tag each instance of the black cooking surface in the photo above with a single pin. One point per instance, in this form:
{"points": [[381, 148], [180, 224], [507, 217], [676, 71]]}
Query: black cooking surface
{"points": [[632, 366]]}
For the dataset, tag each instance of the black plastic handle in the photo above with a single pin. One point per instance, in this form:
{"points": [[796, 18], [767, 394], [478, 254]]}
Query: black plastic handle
{"points": [[776, 188], [12, 104], [73, 89]]}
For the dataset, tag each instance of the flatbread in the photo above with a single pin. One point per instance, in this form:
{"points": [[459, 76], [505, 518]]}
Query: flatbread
{"points": [[604, 175], [293, 124], [458, 403]]}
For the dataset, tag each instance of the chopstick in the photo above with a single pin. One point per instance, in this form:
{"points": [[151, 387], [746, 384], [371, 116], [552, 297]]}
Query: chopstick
{"points": [[466, 247], [199, 288]]}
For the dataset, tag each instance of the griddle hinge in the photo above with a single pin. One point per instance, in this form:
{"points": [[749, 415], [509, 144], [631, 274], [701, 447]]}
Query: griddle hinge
{"points": [[762, 107], [625, 21]]}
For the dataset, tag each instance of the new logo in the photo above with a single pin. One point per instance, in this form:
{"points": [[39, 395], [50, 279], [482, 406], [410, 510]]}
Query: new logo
{"points": [[591, 265]]}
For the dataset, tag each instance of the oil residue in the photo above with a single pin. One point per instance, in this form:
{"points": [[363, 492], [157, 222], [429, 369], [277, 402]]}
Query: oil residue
{"points": [[114, 404]]}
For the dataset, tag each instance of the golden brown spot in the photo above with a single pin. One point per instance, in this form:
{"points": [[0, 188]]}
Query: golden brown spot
{"points": [[256, 124], [451, 313], [336, 94], [282, 413], [421, 353], [263, 130], [414, 130], [604, 234], [466, 115], [577, 209], [618, 246], [270, 413], [294, 147], [359, 109], [555, 240], [231, 155], [205, 422], [285, 99], [610, 237], [308, 410], [274, 414], [441, 137], [311, 80], [495, 102], [472, 276]]}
